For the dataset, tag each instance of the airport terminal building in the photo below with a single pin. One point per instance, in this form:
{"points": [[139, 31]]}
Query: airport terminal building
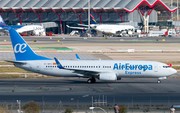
{"points": [[73, 12]]}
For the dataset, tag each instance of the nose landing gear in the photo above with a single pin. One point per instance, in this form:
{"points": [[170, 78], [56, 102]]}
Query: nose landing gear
{"points": [[161, 78], [158, 81]]}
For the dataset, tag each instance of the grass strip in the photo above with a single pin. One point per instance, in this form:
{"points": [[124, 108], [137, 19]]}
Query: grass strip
{"points": [[22, 76], [12, 69], [10, 76], [6, 63], [172, 62], [176, 67]]}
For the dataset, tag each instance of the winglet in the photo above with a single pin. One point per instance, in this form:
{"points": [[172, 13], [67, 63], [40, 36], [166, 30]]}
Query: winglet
{"points": [[78, 57], [58, 64]]}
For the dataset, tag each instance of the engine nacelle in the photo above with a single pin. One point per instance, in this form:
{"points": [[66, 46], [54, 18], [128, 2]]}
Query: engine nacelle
{"points": [[108, 76]]}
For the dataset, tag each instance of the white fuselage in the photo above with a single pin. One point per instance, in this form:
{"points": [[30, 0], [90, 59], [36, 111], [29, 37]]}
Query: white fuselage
{"points": [[36, 28], [121, 68], [113, 29]]}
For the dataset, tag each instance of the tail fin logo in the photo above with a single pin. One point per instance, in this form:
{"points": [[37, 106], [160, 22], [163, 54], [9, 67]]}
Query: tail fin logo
{"points": [[92, 17], [19, 48], [2, 24]]}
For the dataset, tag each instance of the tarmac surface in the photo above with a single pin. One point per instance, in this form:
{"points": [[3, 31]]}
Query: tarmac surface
{"points": [[75, 39], [93, 45], [130, 91], [104, 56]]}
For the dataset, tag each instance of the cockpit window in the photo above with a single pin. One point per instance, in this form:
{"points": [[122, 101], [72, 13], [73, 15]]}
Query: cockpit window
{"points": [[166, 66]]}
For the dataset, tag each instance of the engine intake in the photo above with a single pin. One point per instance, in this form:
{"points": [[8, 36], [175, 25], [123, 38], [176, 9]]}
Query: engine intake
{"points": [[108, 76]]}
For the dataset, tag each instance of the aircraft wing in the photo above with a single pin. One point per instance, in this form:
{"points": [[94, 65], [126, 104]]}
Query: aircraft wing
{"points": [[78, 71], [77, 27], [83, 25]]}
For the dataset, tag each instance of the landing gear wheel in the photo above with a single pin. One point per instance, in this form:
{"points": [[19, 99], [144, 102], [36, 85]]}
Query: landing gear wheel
{"points": [[89, 81], [93, 80], [158, 81]]}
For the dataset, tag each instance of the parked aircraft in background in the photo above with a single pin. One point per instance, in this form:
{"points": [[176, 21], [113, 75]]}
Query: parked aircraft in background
{"points": [[36, 29], [104, 70], [114, 29]]}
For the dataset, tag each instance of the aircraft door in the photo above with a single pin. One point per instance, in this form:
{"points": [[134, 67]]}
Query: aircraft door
{"points": [[156, 68]]}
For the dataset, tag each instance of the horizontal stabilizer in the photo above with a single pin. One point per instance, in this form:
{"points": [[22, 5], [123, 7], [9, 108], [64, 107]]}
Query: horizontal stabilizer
{"points": [[15, 62]]}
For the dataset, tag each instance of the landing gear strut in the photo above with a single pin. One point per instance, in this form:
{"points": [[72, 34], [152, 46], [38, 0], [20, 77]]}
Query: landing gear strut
{"points": [[91, 80], [158, 81]]}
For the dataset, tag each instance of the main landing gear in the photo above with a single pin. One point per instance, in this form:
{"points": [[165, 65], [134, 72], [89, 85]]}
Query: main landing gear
{"points": [[91, 80]]}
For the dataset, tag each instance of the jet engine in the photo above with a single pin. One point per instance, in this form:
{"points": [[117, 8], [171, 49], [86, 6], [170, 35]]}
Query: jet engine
{"points": [[108, 76]]}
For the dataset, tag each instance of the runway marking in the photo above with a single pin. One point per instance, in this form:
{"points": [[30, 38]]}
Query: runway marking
{"points": [[174, 77], [15, 86], [42, 86]]}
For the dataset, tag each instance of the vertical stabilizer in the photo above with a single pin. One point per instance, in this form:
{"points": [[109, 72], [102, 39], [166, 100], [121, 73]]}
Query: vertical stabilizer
{"points": [[22, 51], [93, 21], [2, 23]]}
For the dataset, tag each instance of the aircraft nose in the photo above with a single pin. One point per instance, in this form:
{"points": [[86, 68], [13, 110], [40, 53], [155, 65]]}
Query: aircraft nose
{"points": [[173, 71]]}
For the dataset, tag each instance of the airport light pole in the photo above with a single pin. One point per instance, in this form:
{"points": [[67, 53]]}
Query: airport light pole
{"points": [[171, 12], [92, 104], [177, 10], [19, 102], [88, 14]]}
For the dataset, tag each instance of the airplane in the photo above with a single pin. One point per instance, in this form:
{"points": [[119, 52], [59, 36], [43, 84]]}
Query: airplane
{"points": [[114, 29], [104, 70], [36, 29]]}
